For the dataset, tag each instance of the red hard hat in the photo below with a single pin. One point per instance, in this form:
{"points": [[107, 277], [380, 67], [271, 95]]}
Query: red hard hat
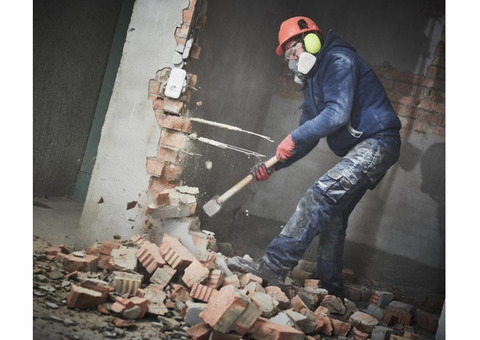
{"points": [[293, 27]]}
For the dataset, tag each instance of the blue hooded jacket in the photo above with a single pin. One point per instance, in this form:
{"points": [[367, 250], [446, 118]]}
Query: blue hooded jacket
{"points": [[344, 101]]}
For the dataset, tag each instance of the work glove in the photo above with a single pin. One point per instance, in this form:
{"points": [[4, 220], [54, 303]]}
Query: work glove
{"points": [[260, 172], [285, 149]]}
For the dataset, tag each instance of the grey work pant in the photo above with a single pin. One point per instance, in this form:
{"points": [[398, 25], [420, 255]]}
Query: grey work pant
{"points": [[325, 208]]}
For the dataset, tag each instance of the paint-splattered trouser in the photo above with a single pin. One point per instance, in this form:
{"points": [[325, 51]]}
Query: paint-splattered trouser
{"points": [[324, 210]]}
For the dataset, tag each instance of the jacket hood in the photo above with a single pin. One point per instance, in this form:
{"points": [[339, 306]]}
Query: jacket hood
{"points": [[333, 40]]}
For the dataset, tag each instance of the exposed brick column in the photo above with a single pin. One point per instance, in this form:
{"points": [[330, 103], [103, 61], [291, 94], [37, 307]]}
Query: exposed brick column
{"points": [[166, 166]]}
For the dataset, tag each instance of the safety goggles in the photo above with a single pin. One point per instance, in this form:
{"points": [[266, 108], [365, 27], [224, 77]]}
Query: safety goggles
{"points": [[290, 50]]}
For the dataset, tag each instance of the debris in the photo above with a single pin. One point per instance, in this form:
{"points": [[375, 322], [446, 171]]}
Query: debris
{"points": [[187, 293]]}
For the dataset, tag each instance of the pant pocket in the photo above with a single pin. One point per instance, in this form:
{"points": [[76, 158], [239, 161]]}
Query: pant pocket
{"points": [[337, 181]]}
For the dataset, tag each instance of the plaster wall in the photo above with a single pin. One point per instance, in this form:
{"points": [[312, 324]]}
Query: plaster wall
{"points": [[130, 132]]}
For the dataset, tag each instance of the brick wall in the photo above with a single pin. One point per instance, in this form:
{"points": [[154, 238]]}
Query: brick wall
{"points": [[165, 167], [418, 100]]}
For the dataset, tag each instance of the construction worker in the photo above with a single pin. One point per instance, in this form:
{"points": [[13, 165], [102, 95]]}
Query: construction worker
{"points": [[345, 102]]}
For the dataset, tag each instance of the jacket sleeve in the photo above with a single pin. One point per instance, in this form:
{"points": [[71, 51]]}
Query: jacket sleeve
{"points": [[338, 84]]}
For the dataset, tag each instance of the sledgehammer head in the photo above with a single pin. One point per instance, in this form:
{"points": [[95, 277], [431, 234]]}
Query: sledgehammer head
{"points": [[212, 206]]}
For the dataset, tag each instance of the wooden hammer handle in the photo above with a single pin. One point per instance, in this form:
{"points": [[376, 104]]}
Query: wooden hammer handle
{"points": [[244, 182]]}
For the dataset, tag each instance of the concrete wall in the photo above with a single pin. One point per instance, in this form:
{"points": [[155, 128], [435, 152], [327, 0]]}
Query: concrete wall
{"points": [[71, 46]]}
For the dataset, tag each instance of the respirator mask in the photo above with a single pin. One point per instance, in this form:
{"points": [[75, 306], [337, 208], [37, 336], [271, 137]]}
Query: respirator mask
{"points": [[306, 60]]}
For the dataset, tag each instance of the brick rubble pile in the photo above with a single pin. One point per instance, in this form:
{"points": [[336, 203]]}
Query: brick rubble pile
{"points": [[197, 296]]}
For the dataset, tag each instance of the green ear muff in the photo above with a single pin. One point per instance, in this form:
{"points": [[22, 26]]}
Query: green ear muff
{"points": [[312, 43]]}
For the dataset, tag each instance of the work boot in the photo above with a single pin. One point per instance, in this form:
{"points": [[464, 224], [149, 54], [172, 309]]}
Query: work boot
{"points": [[258, 268]]}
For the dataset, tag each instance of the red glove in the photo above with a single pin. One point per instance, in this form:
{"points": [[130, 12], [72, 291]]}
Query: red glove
{"points": [[285, 149], [261, 173]]}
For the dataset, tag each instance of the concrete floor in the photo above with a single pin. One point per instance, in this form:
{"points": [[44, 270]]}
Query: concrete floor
{"points": [[57, 219]]}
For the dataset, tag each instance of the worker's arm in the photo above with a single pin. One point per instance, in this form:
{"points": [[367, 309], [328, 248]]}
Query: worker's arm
{"points": [[338, 89]]}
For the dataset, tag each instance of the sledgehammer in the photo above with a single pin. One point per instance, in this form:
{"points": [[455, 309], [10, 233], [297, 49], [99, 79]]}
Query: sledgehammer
{"points": [[215, 204]]}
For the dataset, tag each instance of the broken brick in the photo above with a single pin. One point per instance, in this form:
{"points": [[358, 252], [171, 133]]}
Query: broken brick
{"points": [[357, 334], [196, 272], [267, 330], [163, 275], [340, 328], [248, 277], [224, 309], [200, 331], [381, 298], [201, 292], [107, 246], [179, 293], [363, 321], [174, 253], [231, 280], [215, 279], [279, 296], [125, 258], [87, 263], [84, 298], [126, 283], [133, 308], [156, 297], [247, 319], [149, 256]]}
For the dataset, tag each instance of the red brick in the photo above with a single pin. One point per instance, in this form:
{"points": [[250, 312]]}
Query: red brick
{"points": [[173, 139], [357, 334], [182, 32], [201, 292], [106, 262], [149, 256], [177, 124], [171, 170], [215, 279], [247, 319], [224, 309], [340, 328], [363, 321], [137, 239], [84, 298], [232, 280], [192, 4], [200, 331], [267, 330], [187, 16], [279, 296], [196, 272], [126, 283], [163, 275], [107, 246], [154, 166], [154, 88], [323, 322], [133, 308], [176, 255], [249, 277], [166, 154], [179, 293], [297, 304], [87, 263], [97, 285], [156, 298]]}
